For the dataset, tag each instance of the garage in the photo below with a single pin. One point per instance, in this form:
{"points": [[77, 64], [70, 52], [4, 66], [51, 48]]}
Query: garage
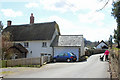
{"points": [[68, 43]]}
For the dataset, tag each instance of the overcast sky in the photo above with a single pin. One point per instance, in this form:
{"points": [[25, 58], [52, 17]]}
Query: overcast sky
{"points": [[74, 17]]}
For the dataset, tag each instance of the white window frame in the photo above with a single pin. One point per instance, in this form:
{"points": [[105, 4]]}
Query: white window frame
{"points": [[26, 44], [44, 44]]}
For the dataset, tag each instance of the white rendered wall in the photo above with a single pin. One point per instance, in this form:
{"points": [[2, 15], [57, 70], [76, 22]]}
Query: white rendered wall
{"points": [[101, 45], [82, 47], [35, 48]]}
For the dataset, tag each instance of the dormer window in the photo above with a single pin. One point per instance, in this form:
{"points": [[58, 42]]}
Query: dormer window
{"points": [[44, 44], [26, 44]]}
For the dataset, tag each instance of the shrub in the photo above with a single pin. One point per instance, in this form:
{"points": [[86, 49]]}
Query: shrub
{"points": [[3, 63], [83, 58], [97, 51], [89, 52]]}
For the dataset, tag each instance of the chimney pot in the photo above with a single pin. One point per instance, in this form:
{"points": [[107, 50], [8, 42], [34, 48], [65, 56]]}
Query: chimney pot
{"points": [[31, 19], [9, 23]]}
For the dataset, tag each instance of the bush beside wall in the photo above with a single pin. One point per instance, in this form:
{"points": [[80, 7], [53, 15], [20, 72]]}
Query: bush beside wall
{"points": [[90, 52]]}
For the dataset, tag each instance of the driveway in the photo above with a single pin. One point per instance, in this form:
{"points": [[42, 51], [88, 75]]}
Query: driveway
{"points": [[92, 68]]}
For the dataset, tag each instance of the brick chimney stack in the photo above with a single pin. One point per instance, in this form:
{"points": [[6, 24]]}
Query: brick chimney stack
{"points": [[31, 19], [9, 23]]}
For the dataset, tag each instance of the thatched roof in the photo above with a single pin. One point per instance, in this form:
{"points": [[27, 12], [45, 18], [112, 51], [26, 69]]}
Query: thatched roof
{"points": [[30, 32]]}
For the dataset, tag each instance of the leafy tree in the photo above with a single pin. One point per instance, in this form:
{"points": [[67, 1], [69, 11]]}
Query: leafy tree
{"points": [[116, 14], [1, 28], [6, 44]]}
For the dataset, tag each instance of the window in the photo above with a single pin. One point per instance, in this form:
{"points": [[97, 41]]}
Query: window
{"points": [[71, 54], [65, 54], [44, 44], [26, 44], [42, 54], [49, 54], [61, 54], [15, 56], [46, 54]]}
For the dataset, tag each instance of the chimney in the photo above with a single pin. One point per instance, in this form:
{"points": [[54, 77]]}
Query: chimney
{"points": [[9, 23], [31, 19]]}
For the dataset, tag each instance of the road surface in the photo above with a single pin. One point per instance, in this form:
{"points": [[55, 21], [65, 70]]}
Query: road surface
{"points": [[92, 68]]}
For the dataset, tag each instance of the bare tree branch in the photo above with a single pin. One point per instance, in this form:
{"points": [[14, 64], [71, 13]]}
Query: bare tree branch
{"points": [[104, 5]]}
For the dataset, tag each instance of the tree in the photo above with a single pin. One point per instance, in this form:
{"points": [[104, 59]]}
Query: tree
{"points": [[6, 44], [106, 2], [1, 28], [116, 14]]}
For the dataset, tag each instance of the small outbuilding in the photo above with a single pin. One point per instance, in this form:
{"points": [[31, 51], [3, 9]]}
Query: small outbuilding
{"points": [[17, 51], [68, 43]]}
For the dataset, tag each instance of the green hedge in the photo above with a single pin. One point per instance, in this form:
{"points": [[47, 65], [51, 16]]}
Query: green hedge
{"points": [[90, 52], [3, 63], [97, 51]]}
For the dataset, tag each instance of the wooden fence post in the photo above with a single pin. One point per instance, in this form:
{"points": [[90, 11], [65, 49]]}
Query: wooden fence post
{"points": [[40, 61], [11, 63]]}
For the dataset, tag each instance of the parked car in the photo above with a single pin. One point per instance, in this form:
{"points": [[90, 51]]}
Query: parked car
{"points": [[65, 57]]}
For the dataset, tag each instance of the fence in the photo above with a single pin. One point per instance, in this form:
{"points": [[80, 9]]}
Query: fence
{"points": [[26, 61], [115, 63]]}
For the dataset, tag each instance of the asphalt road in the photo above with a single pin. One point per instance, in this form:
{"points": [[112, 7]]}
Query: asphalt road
{"points": [[92, 68]]}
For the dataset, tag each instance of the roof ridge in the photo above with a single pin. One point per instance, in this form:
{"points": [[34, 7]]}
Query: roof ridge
{"points": [[70, 35], [31, 24]]}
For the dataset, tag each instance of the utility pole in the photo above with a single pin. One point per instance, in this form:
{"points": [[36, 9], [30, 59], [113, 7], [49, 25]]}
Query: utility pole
{"points": [[110, 41], [1, 28]]}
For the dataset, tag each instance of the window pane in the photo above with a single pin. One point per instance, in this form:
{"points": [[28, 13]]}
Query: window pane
{"points": [[44, 44], [71, 54], [66, 54], [26, 44], [60, 54]]}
